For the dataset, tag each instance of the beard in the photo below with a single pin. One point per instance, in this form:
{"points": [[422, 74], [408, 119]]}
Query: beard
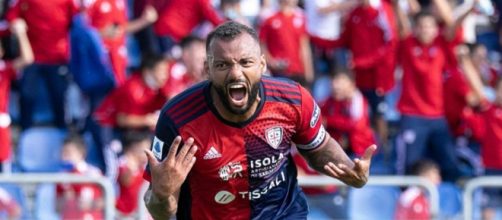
{"points": [[223, 94]]}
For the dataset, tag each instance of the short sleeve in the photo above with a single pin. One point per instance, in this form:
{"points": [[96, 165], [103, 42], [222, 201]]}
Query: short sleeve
{"points": [[165, 132], [310, 132]]}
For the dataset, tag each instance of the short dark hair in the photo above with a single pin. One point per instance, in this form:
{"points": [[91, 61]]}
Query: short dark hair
{"points": [[229, 31], [132, 137], [423, 166], [77, 140], [189, 40], [343, 72], [149, 61], [422, 14]]}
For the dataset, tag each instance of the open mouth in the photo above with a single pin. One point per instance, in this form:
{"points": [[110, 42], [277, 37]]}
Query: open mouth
{"points": [[237, 94]]}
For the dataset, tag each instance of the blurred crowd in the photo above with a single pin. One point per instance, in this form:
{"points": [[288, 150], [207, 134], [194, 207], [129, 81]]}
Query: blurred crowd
{"points": [[420, 78]]}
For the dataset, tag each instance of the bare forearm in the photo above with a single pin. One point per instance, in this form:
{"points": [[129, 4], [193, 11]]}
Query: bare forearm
{"points": [[329, 152], [160, 208]]}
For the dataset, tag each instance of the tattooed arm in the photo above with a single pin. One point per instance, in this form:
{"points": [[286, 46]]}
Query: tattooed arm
{"points": [[330, 159]]}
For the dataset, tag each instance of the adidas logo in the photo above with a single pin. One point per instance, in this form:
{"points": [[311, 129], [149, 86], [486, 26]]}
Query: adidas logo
{"points": [[212, 153]]}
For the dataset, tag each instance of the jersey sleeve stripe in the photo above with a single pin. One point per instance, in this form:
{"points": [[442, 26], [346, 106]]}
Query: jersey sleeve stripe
{"points": [[187, 107], [184, 115], [180, 104], [280, 82], [282, 94], [181, 98], [282, 89], [190, 117], [284, 99], [316, 142]]}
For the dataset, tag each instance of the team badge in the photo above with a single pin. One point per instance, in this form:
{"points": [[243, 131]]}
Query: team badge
{"points": [[274, 136]]}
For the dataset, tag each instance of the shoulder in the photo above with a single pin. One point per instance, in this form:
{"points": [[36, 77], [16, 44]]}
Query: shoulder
{"points": [[282, 90], [187, 105]]}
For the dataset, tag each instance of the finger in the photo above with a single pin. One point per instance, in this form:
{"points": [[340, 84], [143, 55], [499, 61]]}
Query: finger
{"points": [[190, 154], [336, 169], [173, 149], [190, 165], [184, 150], [152, 160], [347, 170], [369, 152], [331, 172]]}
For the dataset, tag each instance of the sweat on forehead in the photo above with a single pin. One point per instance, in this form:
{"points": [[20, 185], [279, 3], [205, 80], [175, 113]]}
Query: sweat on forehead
{"points": [[229, 31]]}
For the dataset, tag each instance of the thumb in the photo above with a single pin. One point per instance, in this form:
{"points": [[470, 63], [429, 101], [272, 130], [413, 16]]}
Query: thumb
{"points": [[152, 160], [368, 153]]}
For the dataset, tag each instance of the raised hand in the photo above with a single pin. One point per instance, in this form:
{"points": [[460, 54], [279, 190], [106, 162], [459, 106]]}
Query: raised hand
{"points": [[355, 176], [169, 174]]}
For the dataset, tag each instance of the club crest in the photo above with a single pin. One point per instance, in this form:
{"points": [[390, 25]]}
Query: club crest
{"points": [[274, 136]]}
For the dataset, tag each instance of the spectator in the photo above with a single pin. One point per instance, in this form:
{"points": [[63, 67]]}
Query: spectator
{"points": [[9, 208], [491, 148], [413, 202], [190, 69], [130, 179], [346, 118], [488, 72], [136, 103], [370, 33], [9, 72], [285, 43], [324, 20], [49, 40], [78, 201], [231, 10], [109, 17], [423, 57], [179, 17]]}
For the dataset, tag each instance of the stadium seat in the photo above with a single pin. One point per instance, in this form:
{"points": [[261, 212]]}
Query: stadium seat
{"points": [[17, 194], [45, 202], [373, 202], [39, 149], [450, 201]]}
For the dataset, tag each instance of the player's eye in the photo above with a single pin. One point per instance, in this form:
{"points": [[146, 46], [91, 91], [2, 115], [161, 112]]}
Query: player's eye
{"points": [[220, 65], [247, 63]]}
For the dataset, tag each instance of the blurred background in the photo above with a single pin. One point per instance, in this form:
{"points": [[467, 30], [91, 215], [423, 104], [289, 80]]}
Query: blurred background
{"points": [[82, 83]]}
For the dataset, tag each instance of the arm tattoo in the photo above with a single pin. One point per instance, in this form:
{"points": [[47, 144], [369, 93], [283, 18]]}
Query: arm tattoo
{"points": [[330, 152], [160, 209]]}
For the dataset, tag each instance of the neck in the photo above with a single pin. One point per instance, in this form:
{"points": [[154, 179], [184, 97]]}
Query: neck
{"points": [[229, 116]]}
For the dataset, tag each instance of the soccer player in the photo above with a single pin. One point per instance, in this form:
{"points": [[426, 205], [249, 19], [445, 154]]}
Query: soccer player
{"points": [[237, 130]]}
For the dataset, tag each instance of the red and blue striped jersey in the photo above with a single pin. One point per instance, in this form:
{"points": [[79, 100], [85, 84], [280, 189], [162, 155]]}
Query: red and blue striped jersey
{"points": [[243, 170]]}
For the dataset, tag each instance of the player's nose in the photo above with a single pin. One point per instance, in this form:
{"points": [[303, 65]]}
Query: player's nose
{"points": [[235, 71]]}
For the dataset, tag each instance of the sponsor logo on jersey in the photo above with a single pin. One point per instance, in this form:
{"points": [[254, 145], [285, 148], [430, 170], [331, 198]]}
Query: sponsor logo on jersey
{"points": [[258, 193], [230, 171], [265, 166], [274, 136], [224, 197], [158, 145], [212, 153], [315, 115]]}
